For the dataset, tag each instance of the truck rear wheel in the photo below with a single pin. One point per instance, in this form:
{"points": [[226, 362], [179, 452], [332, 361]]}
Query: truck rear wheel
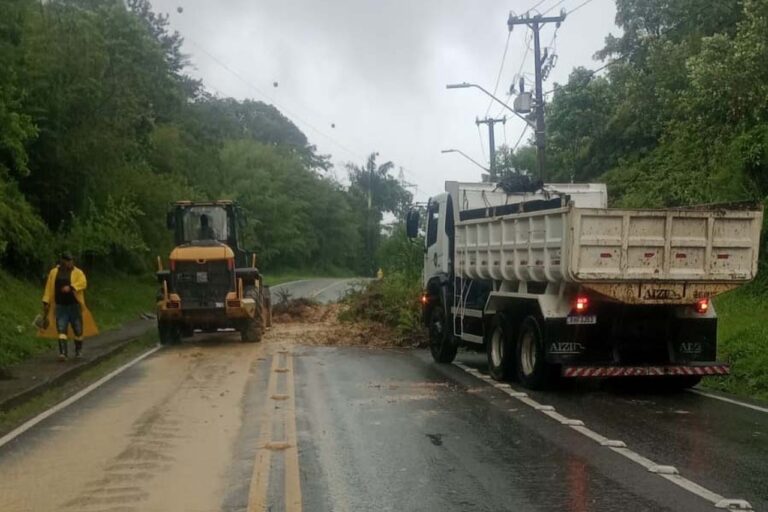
{"points": [[253, 329], [169, 333], [500, 348], [440, 339], [531, 368]]}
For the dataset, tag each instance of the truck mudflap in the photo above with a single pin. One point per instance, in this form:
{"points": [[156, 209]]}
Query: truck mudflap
{"points": [[642, 371]]}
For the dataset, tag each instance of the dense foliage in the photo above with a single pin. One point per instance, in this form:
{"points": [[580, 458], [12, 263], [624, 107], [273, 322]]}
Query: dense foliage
{"points": [[678, 116], [100, 128]]}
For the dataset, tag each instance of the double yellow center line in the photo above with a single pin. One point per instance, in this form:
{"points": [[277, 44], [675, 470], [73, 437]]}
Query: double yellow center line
{"points": [[280, 411]]}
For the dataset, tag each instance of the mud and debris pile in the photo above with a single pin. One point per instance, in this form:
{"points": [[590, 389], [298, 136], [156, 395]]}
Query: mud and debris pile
{"points": [[309, 322]]}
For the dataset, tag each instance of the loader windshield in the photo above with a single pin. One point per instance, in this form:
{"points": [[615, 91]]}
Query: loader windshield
{"points": [[205, 223]]}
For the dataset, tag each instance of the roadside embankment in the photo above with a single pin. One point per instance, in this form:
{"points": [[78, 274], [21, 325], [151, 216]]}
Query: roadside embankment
{"points": [[113, 299], [743, 342]]}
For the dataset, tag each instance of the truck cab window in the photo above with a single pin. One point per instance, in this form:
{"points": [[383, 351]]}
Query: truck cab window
{"points": [[433, 215]]}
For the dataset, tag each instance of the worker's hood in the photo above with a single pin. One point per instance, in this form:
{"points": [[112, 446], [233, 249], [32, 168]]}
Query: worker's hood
{"points": [[190, 252]]}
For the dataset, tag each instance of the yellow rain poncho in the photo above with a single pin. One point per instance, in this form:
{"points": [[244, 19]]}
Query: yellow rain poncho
{"points": [[79, 283]]}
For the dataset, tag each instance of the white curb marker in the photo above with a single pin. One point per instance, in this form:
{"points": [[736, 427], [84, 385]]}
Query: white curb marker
{"points": [[668, 472]]}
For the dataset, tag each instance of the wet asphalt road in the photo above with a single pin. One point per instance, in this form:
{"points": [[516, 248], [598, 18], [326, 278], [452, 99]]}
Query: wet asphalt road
{"points": [[322, 290], [215, 424]]}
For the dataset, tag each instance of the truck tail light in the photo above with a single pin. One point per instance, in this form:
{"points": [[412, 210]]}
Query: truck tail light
{"points": [[424, 299], [230, 264], [702, 306], [172, 265], [582, 304]]}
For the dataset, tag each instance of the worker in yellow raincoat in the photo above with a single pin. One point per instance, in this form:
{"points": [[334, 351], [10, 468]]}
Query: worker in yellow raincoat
{"points": [[64, 311]]}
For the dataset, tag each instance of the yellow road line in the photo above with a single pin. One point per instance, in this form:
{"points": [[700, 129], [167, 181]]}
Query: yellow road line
{"points": [[293, 502], [257, 495]]}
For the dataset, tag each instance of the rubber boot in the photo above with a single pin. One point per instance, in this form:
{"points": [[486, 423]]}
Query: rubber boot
{"points": [[78, 348], [62, 349]]}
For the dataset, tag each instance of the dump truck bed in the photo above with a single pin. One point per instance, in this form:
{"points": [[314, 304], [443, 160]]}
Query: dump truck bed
{"points": [[624, 253]]}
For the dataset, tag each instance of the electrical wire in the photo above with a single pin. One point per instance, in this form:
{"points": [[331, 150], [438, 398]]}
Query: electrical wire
{"points": [[267, 96], [579, 6], [527, 41], [535, 6], [592, 73], [553, 6], [520, 139], [482, 144], [501, 70]]}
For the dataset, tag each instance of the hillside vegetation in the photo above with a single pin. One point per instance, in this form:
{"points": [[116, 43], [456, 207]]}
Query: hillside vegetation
{"points": [[100, 128]]}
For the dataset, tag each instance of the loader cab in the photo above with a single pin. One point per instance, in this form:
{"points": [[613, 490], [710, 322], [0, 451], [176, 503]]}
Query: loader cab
{"points": [[439, 237], [207, 223]]}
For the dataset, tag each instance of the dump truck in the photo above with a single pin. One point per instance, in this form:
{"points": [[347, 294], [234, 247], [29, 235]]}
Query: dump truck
{"points": [[210, 282], [552, 284]]}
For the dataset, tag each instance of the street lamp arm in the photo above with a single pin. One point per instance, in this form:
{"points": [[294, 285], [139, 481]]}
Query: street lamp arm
{"points": [[467, 157], [466, 85]]}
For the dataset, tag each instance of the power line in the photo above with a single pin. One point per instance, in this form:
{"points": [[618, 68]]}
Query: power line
{"points": [[482, 144], [268, 97], [579, 6], [592, 73], [525, 129], [537, 4], [504, 126], [552, 7], [501, 69]]}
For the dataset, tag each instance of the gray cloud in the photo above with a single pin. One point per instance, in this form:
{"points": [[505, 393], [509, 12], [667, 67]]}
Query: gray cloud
{"points": [[378, 69]]}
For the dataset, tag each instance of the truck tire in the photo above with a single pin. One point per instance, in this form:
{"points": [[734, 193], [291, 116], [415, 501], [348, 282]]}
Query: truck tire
{"points": [[169, 333], [253, 329], [500, 348], [441, 344], [531, 367]]}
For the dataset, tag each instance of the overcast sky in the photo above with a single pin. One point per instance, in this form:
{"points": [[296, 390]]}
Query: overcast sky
{"points": [[377, 70]]}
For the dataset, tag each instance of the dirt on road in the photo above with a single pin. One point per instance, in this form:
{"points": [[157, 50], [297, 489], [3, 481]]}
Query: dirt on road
{"points": [[306, 322]]}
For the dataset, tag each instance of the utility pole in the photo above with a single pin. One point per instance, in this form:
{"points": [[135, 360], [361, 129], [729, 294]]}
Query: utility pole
{"points": [[491, 140], [535, 23]]}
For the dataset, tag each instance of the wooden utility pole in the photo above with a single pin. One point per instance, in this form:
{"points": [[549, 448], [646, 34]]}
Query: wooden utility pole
{"points": [[491, 141], [535, 23]]}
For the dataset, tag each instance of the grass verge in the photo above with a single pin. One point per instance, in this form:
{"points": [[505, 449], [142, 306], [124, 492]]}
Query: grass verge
{"points": [[113, 299], [15, 417], [742, 342]]}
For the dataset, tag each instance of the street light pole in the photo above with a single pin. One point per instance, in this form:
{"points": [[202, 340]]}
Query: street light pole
{"points": [[491, 122], [467, 157]]}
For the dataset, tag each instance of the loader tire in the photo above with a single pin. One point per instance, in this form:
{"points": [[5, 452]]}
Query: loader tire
{"points": [[253, 329], [168, 332]]}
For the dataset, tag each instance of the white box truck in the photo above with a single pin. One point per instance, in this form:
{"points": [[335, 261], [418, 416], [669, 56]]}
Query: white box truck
{"points": [[552, 283]]}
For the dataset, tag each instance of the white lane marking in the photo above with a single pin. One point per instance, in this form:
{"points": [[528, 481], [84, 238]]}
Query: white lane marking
{"points": [[729, 400], [668, 472], [10, 436]]}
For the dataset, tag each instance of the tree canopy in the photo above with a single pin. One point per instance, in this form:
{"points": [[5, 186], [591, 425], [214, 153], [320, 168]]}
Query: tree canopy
{"points": [[101, 128]]}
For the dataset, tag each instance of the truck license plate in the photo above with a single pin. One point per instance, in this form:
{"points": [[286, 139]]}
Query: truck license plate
{"points": [[202, 277], [581, 320]]}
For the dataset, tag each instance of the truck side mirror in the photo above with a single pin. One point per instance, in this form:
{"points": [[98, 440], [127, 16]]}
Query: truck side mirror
{"points": [[170, 220], [412, 224]]}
